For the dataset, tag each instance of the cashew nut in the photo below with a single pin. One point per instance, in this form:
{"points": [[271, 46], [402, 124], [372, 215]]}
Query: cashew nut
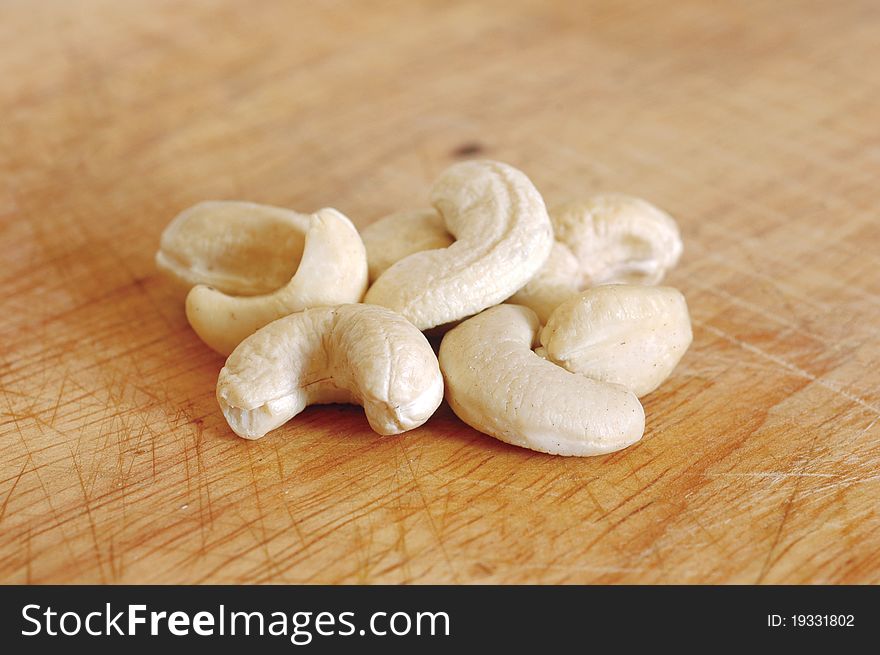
{"points": [[498, 385], [332, 271], [401, 234], [618, 239], [605, 239], [239, 248], [628, 335], [503, 236], [351, 354]]}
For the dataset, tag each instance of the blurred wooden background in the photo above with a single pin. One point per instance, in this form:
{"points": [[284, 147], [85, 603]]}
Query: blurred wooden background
{"points": [[756, 124]]}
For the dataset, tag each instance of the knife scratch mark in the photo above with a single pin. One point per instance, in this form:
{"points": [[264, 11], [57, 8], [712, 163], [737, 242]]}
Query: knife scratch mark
{"points": [[91, 519], [14, 484], [437, 534], [830, 386]]}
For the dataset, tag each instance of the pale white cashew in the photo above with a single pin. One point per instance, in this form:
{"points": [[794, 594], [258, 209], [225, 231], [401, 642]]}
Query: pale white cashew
{"points": [[618, 239], [503, 236], [332, 271], [498, 385], [625, 334], [399, 235], [605, 239], [239, 248], [557, 281], [356, 353]]}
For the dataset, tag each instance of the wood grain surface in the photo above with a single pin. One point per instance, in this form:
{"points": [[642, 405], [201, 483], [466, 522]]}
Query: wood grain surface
{"points": [[756, 124]]}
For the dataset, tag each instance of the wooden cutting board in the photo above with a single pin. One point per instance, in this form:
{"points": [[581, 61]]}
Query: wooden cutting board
{"points": [[757, 125]]}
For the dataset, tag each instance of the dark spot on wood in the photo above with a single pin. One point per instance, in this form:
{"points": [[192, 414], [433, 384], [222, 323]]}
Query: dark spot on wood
{"points": [[481, 569], [468, 149]]}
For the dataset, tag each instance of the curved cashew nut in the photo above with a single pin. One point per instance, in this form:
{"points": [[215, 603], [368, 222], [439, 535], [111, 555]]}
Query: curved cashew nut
{"points": [[605, 239], [351, 354], [503, 236], [401, 234], [239, 248], [629, 335], [618, 239], [498, 385], [332, 271]]}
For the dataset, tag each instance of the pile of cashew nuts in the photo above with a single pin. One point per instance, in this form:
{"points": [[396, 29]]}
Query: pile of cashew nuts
{"points": [[552, 324]]}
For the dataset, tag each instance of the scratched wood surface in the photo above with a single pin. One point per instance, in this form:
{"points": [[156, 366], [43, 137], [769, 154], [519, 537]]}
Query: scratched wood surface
{"points": [[757, 125]]}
